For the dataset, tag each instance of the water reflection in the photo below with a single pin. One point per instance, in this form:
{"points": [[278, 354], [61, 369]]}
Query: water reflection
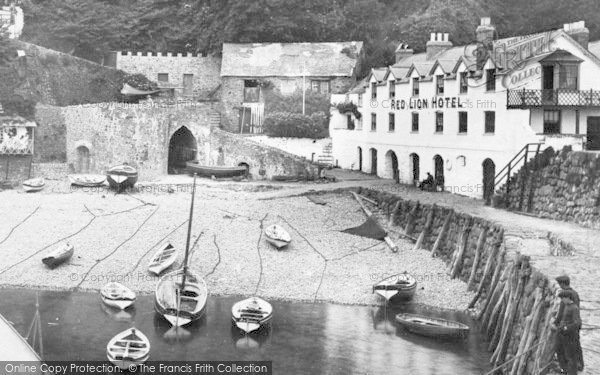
{"points": [[119, 315]]}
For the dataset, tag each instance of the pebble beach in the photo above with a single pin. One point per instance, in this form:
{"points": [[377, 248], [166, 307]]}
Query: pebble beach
{"points": [[116, 235]]}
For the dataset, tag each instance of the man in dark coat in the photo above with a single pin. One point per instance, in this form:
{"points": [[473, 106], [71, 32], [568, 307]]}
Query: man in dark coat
{"points": [[565, 284], [567, 324]]}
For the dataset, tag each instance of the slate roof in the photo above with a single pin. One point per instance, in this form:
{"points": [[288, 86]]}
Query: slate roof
{"points": [[290, 59], [594, 47]]}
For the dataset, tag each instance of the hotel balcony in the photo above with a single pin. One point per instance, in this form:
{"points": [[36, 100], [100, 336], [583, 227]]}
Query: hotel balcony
{"points": [[557, 98]]}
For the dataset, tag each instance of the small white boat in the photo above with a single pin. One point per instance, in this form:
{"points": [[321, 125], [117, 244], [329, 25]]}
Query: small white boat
{"points": [[87, 180], [122, 177], [277, 236], [117, 295], [251, 314], [128, 349], [33, 185], [163, 259], [59, 256], [402, 286]]}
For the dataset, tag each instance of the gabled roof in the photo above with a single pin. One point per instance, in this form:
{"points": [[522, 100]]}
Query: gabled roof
{"points": [[290, 59], [398, 72], [594, 47], [446, 65], [379, 73], [422, 68]]}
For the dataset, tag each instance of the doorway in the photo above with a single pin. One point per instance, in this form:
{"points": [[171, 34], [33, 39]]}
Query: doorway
{"points": [[438, 171], [374, 161], [548, 84], [182, 148], [489, 176], [392, 166], [593, 133], [414, 161], [360, 159], [83, 159]]}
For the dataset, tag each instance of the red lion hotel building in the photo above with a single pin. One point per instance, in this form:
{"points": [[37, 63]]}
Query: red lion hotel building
{"points": [[463, 113]]}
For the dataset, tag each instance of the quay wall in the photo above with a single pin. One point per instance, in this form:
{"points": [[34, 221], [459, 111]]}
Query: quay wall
{"points": [[561, 185], [514, 301]]}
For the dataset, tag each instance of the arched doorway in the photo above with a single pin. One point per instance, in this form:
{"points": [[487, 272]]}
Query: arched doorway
{"points": [[83, 159], [182, 148], [438, 168], [360, 159], [247, 166], [391, 166], [374, 161], [489, 175], [415, 168]]}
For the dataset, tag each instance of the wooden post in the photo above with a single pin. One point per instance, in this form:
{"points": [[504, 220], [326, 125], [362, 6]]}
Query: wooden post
{"points": [[486, 274], [441, 235], [461, 249], [410, 221], [480, 243], [426, 229], [494, 294], [393, 214], [529, 334]]}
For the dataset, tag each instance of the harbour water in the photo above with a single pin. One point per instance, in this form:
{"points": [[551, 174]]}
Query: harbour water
{"points": [[304, 338]]}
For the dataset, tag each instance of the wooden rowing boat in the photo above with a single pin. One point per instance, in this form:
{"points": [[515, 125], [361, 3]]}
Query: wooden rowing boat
{"points": [[117, 295], [277, 236], [217, 171], [181, 305], [34, 184], [122, 177], [59, 256], [87, 180], [432, 327], [397, 287], [14, 347], [251, 314], [128, 349], [163, 259]]}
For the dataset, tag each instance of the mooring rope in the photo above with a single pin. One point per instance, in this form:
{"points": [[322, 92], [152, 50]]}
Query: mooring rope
{"points": [[492, 371]]}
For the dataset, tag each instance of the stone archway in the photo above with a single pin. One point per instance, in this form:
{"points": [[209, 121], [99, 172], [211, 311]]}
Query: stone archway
{"points": [[182, 148], [415, 168], [391, 166], [373, 161], [83, 159], [438, 168], [360, 159], [489, 176]]}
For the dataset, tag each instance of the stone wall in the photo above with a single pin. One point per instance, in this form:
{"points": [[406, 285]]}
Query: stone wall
{"points": [[205, 69], [514, 302], [50, 135], [15, 168], [560, 186]]}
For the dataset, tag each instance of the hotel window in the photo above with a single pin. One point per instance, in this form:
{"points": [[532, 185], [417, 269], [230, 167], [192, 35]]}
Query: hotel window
{"points": [[439, 84], [392, 122], [349, 122], [392, 89], [251, 91], [568, 76], [490, 79], [415, 90], [373, 122], [464, 83], [551, 122], [439, 122], [462, 122], [319, 86], [373, 90], [163, 77], [415, 122], [490, 121]]}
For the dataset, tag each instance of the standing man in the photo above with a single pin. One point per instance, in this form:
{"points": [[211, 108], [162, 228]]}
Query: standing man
{"points": [[565, 284], [568, 327]]}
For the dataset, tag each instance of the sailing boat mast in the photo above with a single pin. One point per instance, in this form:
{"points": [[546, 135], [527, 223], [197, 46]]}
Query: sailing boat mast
{"points": [[187, 242]]}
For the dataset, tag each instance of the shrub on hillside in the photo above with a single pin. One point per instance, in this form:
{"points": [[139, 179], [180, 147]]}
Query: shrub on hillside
{"points": [[295, 125], [275, 101]]}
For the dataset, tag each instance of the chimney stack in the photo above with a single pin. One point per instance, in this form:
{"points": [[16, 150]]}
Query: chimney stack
{"points": [[437, 44], [403, 51], [485, 31], [579, 32]]}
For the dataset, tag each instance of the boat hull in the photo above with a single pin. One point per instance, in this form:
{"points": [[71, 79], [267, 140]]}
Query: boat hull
{"points": [[279, 244], [209, 171], [59, 256], [159, 263], [118, 303], [166, 300], [127, 364], [432, 327], [87, 180], [251, 314], [397, 288], [277, 236], [33, 185], [122, 177]]}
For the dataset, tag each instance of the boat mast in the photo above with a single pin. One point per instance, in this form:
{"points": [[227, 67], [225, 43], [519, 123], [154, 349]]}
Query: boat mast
{"points": [[187, 242]]}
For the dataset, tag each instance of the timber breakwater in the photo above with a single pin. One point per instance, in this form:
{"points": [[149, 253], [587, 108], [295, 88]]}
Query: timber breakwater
{"points": [[514, 301]]}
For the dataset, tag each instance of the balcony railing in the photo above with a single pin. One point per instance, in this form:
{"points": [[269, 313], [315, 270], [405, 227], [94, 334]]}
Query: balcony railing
{"points": [[552, 98]]}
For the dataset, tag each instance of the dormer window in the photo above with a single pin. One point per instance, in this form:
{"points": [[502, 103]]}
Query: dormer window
{"points": [[415, 90], [439, 84], [392, 85]]}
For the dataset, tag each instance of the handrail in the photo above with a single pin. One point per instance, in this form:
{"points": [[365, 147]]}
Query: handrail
{"points": [[522, 154]]}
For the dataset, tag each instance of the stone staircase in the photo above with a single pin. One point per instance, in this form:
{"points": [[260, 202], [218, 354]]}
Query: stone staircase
{"points": [[326, 158]]}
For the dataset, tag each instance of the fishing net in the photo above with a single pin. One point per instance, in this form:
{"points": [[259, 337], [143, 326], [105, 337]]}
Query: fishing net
{"points": [[369, 229]]}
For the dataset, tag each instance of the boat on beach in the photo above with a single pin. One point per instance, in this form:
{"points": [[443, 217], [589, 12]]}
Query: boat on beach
{"points": [[163, 259], [181, 296], [397, 287], [34, 184], [87, 180], [122, 177], [277, 236], [117, 295], [217, 171], [59, 256], [128, 349], [432, 327], [251, 314]]}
